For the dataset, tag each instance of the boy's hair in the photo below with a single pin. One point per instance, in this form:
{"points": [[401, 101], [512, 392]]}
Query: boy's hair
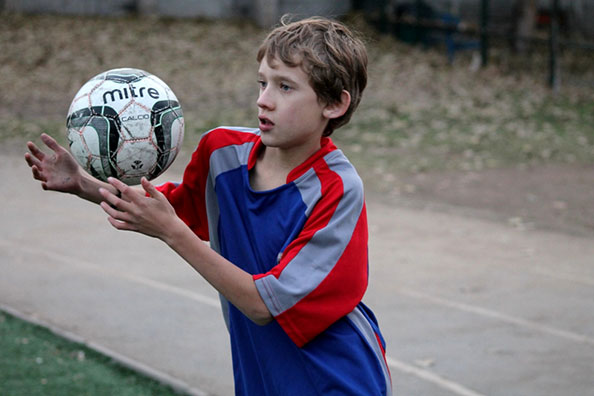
{"points": [[328, 52]]}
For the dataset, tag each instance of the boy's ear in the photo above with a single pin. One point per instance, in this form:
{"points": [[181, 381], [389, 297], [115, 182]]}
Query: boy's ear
{"points": [[337, 109]]}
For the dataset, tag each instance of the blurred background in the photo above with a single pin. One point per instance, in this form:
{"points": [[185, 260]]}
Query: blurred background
{"points": [[485, 104]]}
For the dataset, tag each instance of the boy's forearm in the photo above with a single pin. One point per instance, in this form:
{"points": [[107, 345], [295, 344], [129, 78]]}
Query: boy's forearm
{"points": [[88, 188], [236, 285]]}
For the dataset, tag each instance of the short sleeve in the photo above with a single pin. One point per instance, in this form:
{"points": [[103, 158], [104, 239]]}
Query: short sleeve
{"points": [[322, 274], [188, 197]]}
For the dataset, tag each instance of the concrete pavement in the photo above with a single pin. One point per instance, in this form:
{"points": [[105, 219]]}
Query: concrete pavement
{"points": [[467, 306]]}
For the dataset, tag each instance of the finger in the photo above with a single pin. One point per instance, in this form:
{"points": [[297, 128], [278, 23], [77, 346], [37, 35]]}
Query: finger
{"points": [[114, 213], [32, 161], [109, 208], [37, 174], [125, 190], [150, 189], [114, 201], [121, 225], [35, 151], [120, 186], [51, 143]]}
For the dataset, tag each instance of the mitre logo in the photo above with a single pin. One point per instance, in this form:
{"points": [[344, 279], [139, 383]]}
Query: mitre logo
{"points": [[128, 93]]}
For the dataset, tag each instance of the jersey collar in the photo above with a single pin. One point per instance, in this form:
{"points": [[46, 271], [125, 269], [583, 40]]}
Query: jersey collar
{"points": [[326, 147]]}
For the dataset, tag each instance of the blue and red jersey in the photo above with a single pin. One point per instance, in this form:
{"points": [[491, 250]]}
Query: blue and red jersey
{"points": [[305, 244]]}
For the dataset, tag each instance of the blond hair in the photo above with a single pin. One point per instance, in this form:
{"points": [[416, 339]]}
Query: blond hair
{"points": [[329, 53]]}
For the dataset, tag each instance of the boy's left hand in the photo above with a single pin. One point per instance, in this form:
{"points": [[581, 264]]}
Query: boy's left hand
{"points": [[150, 214]]}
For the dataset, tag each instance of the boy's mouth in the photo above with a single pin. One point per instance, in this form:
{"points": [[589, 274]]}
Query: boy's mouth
{"points": [[265, 124]]}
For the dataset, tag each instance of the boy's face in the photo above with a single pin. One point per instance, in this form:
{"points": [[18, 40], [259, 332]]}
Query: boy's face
{"points": [[289, 111]]}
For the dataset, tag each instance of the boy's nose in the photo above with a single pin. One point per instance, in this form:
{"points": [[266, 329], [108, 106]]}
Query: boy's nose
{"points": [[265, 100]]}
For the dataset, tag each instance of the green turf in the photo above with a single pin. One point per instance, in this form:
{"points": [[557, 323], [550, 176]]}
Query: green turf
{"points": [[34, 361]]}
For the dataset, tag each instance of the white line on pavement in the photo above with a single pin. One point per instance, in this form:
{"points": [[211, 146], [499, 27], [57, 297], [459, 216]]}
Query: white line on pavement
{"points": [[429, 376], [568, 335]]}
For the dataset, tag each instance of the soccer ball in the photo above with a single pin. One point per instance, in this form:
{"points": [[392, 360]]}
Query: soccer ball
{"points": [[125, 123]]}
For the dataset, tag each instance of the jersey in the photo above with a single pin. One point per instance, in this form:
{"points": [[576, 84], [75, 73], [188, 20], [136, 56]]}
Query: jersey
{"points": [[305, 244]]}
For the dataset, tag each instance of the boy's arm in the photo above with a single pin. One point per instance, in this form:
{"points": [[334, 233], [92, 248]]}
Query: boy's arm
{"points": [[235, 284], [152, 214], [59, 171]]}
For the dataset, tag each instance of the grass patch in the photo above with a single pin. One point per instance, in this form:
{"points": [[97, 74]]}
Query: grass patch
{"points": [[34, 361]]}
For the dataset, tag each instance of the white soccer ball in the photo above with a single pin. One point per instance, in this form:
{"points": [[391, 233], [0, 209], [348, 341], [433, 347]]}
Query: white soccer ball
{"points": [[125, 123]]}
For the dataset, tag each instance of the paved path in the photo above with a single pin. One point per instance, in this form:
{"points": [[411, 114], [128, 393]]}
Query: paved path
{"points": [[468, 307]]}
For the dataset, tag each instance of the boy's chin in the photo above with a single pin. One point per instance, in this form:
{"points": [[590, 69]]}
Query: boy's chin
{"points": [[269, 141]]}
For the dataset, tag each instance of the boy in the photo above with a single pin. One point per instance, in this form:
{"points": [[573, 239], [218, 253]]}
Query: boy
{"points": [[284, 212]]}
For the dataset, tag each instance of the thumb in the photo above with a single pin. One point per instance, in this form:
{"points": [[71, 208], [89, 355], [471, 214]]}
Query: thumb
{"points": [[149, 188]]}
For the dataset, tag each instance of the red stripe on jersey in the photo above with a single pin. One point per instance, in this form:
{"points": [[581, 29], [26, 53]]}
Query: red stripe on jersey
{"points": [[332, 191], [326, 147], [336, 296], [344, 286], [188, 198], [381, 345]]}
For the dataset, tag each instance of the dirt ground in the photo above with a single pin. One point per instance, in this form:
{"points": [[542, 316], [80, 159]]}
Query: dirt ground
{"points": [[550, 197], [553, 197]]}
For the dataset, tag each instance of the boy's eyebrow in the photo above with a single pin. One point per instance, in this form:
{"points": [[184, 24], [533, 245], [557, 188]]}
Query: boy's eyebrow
{"points": [[279, 77]]}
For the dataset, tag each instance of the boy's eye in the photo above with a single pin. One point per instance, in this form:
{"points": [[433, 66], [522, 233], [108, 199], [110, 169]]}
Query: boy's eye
{"points": [[262, 84], [285, 87]]}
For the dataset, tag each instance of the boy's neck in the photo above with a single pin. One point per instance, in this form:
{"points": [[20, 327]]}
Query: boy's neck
{"points": [[289, 159], [274, 165]]}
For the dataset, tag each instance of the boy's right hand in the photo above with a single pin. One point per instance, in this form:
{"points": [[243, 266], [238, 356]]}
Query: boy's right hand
{"points": [[58, 171]]}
